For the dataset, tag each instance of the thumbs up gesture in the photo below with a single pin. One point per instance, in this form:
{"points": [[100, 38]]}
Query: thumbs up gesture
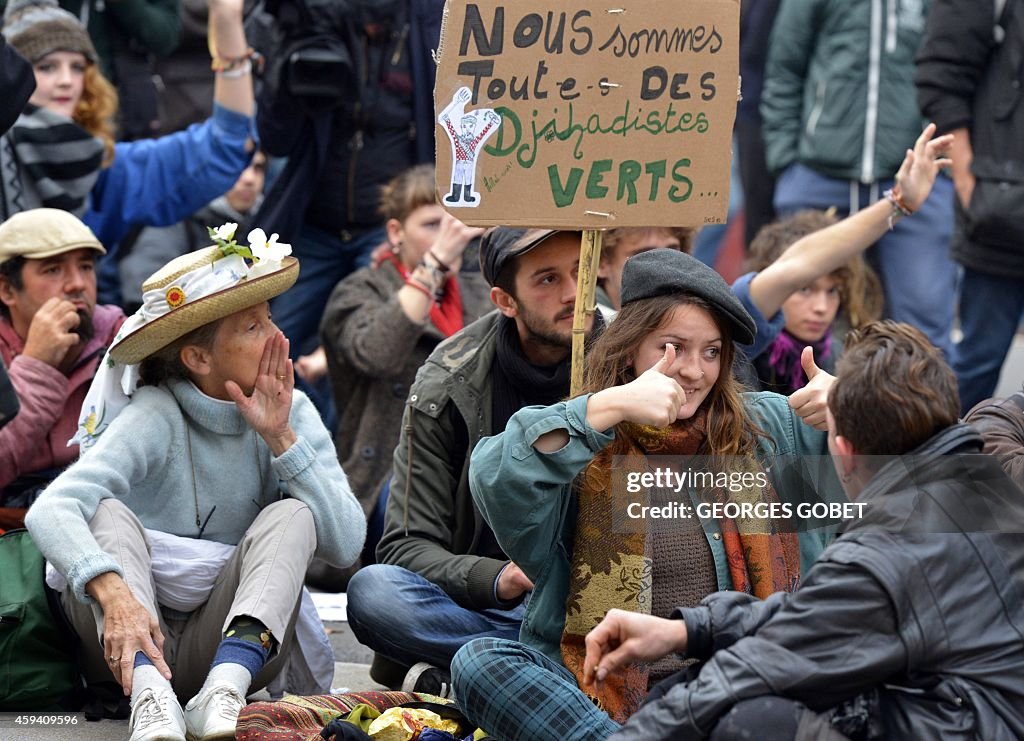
{"points": [[811, 402], [652, 399]]}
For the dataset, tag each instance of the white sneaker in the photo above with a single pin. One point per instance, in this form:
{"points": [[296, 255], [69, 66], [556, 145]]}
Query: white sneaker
{"points": [[213, 713], [157, 716]]}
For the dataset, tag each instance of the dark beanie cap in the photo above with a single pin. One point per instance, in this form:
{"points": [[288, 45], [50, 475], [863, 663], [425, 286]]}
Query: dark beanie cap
{"points": [[668, 272]]}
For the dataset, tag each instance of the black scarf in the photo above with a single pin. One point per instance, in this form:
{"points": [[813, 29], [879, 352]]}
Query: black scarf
{"points": [[518, 383]]}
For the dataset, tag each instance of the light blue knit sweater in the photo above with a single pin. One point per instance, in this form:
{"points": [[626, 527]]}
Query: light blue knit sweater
{"points": [[146, 460]]}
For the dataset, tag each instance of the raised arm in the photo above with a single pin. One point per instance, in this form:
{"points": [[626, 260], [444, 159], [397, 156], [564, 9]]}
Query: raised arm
{"points": [[829, 249], [232, 87]]}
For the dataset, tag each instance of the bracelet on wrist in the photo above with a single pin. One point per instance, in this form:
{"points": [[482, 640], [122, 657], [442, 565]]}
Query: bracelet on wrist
{"points": [[441, 266], [241, 71], [899, 208], [437, 275], [250, 58]]}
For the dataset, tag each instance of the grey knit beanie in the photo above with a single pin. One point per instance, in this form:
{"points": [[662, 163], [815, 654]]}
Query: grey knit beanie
{"points": [[37, 27], [670, 272]]}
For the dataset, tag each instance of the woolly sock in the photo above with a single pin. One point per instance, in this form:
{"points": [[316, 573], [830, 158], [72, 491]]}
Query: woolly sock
{"points": [[241, 653], [246, 642], [142, 660]]}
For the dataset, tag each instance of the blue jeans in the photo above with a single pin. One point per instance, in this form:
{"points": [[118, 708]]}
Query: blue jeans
{"points": [[324, 259], [408, 619], [991, 308], [517, 693], [912, 260]]}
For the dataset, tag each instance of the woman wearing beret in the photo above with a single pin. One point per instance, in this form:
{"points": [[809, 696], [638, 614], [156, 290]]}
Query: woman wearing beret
{"points": [[564, 486], [185, 529]]}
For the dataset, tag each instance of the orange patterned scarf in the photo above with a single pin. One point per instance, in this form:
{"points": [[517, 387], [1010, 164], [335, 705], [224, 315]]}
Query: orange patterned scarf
{"points": [[611, 568]]}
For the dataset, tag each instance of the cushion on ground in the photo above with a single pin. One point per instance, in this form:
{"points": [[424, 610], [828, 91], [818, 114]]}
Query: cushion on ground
{"points": [[295, 718]]}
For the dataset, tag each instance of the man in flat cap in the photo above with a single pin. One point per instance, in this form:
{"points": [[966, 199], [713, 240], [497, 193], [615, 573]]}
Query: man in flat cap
{"points": [[442, 578], [52, 336]]}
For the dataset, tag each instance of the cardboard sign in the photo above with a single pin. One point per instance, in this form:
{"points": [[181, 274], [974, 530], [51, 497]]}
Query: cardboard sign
{"points": [[597, 116]]}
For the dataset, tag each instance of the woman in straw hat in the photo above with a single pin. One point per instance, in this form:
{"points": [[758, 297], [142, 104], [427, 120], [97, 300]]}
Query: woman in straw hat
{"points": [[214, 459]]}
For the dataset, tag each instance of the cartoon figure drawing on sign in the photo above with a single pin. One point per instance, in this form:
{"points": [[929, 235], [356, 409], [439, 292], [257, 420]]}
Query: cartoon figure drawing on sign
{"points": [[467, 132]]}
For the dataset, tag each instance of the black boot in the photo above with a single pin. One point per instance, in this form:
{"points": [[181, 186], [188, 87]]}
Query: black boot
{"points": [[469, 193], [453, 197]]}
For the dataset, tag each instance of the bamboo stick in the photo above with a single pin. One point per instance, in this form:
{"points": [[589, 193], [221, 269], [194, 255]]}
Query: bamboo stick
{"points": [[586, 302]]}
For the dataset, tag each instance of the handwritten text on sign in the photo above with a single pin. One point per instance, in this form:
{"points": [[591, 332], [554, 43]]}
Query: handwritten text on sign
{"points": [[617, 114]]}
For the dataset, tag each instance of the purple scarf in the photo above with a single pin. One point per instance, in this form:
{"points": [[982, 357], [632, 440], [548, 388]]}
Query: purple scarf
{"points": [[784, 359]]}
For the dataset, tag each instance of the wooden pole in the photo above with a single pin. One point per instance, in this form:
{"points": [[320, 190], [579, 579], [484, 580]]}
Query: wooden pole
{"points": [[586, 302]]}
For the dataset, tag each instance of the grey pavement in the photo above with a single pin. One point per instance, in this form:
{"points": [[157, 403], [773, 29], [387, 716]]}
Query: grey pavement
{"points": [[351, 671], [1012, 376]]}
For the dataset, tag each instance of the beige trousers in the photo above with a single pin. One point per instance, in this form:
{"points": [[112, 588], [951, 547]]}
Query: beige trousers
{"points": [[262, 579]]}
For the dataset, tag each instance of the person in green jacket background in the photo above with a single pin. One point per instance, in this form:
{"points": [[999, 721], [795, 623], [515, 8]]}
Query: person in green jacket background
{"points": [[839, 111], [563, 485]]}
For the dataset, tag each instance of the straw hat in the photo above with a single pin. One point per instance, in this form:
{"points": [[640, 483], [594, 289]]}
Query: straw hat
{"points": [[186, 313]]}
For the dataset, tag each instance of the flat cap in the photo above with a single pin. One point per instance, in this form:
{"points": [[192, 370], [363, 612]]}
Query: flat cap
{"points": [[44, 232], [669, 272], [501, 244]]}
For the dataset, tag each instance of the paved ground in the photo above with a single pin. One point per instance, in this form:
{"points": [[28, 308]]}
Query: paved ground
{"points": [[351, 671], [1013, 369]]}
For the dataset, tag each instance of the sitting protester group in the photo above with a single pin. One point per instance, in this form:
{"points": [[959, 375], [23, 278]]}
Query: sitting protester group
{"points": [[183, 491]]}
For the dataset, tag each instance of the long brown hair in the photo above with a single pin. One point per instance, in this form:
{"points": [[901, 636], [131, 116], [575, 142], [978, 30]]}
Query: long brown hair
{"points": [[610, 363], [97, 108]]}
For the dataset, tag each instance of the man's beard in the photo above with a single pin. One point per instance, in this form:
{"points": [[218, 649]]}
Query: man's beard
{"points": [[85, 329], [542, 333]]}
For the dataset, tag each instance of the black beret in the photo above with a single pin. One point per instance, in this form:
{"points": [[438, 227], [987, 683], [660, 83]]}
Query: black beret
{"points": [[501, 244], [667, 272]]}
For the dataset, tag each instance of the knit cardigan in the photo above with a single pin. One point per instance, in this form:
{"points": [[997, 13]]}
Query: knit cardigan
{"points": [[175, 455]]}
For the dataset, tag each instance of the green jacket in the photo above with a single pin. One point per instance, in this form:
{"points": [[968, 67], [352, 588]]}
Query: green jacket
{"points": [[431, 525], [839, 94], [528, 497]]}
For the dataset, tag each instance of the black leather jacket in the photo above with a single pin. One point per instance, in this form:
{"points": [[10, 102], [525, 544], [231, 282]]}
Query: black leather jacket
{"points": [[920, 600]]}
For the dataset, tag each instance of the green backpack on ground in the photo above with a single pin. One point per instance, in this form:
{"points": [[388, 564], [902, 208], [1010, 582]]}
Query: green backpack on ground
{"points": [[38, 670]]}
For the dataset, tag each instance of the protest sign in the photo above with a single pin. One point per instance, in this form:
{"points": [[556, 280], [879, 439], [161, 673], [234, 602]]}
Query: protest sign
{"points": [[597, 116]]}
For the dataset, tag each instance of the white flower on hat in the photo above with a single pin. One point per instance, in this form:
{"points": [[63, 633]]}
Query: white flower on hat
{"points": [[225, 231], [267, 250]]}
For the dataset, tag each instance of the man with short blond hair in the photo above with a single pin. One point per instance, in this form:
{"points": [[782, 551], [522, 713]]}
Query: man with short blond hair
{"points": [[52, 336]]}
